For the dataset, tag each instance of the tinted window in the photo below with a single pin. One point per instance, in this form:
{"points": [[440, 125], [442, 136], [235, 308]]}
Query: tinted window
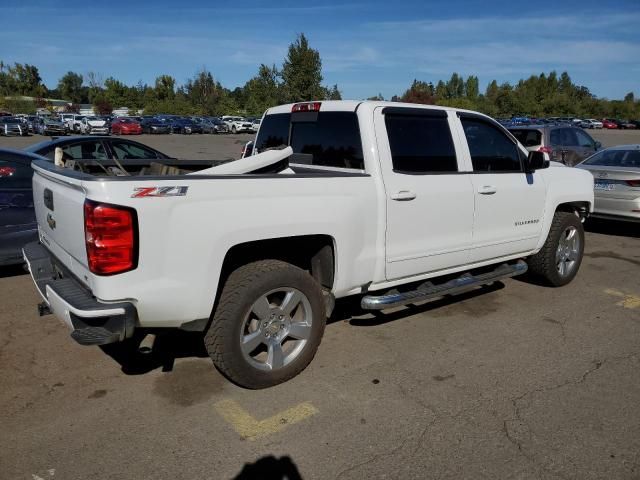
{"points": [[420, 144], [274, 132], [584, 140], [615, 158], [14, 175], [128, 151], [528, 138], [491, 149], [333, 140], [562, 136]]}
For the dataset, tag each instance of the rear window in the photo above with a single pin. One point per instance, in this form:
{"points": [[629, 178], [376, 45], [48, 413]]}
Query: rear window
{"points": [[615, 158], [333, 140], [528, 137]]}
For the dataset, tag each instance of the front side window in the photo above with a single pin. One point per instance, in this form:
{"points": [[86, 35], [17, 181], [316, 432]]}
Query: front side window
{"points": [[584, 140], [420, 144], [563, 137], [491, 149]]}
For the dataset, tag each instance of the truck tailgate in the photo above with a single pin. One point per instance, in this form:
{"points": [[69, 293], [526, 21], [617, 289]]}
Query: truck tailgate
{"points": [[59, 206]]}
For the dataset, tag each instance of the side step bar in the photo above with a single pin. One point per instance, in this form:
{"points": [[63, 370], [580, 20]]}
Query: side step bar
{"points": [[429, 291]]}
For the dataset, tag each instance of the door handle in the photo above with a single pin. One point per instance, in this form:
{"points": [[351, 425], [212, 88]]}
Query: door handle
{"points": [[487, 190], [403, 196]]}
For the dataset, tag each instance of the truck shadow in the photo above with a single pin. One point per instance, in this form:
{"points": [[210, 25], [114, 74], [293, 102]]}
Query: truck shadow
{"points": [[613, 227], [135, 358], [12, 271]]}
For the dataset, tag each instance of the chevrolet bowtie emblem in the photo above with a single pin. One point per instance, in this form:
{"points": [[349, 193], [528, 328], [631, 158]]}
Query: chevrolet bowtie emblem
{"points": [[51, 221]]}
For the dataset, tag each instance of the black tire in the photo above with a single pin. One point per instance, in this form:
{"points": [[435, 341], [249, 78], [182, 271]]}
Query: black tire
{"points": [[242, 289], [544, 265]]}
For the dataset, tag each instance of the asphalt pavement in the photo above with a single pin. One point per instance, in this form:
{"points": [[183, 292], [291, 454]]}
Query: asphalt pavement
{"points": [[510, 381]]}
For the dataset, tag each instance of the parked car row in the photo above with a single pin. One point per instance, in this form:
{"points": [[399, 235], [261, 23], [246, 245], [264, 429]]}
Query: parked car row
{"points": [[70, 123], [587, 123]]}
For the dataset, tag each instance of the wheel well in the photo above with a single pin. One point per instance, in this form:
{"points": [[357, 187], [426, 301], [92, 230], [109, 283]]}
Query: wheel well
{"points": [[314, 253], [579, 208]]}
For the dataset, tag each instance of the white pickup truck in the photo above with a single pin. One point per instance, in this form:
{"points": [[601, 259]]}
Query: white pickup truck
{"points": [[394, 203]]}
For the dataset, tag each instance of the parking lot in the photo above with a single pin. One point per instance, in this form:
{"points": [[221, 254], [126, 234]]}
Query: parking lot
{"points": [[510, 381]]}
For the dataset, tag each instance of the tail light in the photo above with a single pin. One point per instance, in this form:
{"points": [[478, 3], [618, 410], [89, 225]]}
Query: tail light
{"points": [[306, 107], [633, 183], [110, 237], [548, 150], [7, 171]]}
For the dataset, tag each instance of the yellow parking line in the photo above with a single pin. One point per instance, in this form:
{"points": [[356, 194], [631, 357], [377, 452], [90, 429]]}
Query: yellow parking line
{"points": [[251, 429], [628, 300]]}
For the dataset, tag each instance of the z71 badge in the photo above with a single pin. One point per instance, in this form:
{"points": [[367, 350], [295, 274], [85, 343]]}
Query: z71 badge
{"points": [[171, 191]]}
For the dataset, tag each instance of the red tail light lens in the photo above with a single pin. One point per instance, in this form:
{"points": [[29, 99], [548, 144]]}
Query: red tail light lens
{"points": [[633, 183], [548, 150], [306, 107], [110, 237], [7, 171]]}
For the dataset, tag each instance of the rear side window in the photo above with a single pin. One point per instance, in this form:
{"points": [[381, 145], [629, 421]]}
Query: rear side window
{"points": [[420, 144], [274, 132], [562, 136], [528, 137], [84, 151], [15, 176], [129, 151], [333, 140], [491, 149]]}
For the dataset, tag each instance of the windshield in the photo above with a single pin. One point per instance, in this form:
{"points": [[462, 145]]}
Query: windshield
{"points": [[615, 158]]}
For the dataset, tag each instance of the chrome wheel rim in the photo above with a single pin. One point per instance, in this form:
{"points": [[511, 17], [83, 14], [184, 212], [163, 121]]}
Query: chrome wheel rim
{"points": [[568, 251], [276, 329]]}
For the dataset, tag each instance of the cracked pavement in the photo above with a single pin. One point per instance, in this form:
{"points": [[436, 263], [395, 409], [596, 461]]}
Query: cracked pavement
{"points": [[514, 381]]}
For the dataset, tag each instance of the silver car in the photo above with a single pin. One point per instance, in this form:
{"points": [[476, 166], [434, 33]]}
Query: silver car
{"points": [[13, 126], [616, 174]]}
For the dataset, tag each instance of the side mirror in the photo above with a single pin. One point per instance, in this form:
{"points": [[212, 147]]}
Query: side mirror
{"points": [[597, 145], [536, 161]]}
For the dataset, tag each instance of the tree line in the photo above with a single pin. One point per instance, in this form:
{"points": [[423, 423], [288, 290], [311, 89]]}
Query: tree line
{"points": [[299, 79]]}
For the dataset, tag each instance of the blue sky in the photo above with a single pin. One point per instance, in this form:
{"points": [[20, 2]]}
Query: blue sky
{"points": [[366, 47]]}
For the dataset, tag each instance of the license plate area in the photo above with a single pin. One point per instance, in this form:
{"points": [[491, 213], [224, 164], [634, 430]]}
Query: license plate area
{"points": [[606, 186]]}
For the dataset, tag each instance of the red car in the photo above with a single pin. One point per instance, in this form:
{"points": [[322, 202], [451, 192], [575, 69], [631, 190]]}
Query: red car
{"points": [[125, 126], [608, 124]]}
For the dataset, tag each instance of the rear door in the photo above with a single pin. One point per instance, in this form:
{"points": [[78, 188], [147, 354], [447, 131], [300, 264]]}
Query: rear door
{"points": [[586, 146], [429, 197], [509, 203]]}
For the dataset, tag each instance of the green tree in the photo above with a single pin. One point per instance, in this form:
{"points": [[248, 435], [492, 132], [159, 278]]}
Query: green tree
{"points": [[334, 94], [70, 87], [203, 92], [302, 72], [419, 92], [165, 87], [472, 88], [263, 91]]}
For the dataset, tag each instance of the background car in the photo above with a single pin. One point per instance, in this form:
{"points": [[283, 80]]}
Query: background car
{"points": [[18, 224], [13, 126], [94, 125], [219, 126], [97, 148], [255, 124], [591, 123], [616, 173], [152, 125], [560, 143], [237, 124], [609, 124], [49, 126], [125, 126], [185, 126]]}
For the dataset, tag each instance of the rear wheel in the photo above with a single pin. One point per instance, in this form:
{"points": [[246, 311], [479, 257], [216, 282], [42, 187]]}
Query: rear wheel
{"points": [[557, 263], [268, 324]]}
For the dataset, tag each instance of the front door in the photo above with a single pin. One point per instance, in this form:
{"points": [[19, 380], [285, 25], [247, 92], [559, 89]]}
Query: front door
{"points": [[509, 203], [429, 198]]}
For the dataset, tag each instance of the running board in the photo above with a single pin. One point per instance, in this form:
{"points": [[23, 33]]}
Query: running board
{"points": [[429, 291]]}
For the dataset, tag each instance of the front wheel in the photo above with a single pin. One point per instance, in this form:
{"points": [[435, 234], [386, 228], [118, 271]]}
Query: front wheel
{"points": [[559, 259], [268, 324]]}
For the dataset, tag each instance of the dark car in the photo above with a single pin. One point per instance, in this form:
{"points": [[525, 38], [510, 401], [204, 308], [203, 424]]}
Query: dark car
{"points": [[49, 126], [96, 148], [185, 126], [560, 143], [17, 217], [13, 126], [153, 125]]}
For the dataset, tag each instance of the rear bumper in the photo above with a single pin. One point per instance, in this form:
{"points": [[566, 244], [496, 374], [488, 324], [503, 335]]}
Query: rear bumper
{"points": [[91, 322]]}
